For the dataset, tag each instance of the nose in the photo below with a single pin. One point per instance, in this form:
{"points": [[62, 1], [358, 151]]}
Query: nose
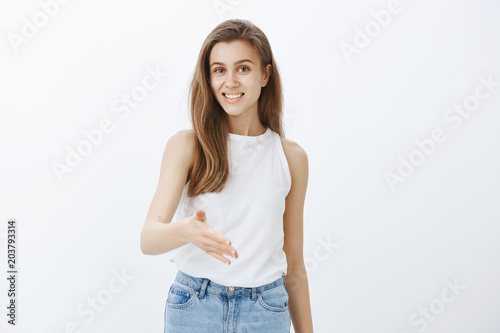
{"points": [[231, 79]]}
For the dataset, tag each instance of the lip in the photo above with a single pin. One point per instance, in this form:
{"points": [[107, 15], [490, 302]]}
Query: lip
{"points": [[232, 100]]}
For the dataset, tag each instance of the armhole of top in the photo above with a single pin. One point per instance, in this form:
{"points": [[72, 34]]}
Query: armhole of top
{"points": [[284, 161]]}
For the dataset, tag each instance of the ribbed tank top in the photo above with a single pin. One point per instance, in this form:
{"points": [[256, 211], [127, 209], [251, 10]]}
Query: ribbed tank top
{"points": [[249, 211]]}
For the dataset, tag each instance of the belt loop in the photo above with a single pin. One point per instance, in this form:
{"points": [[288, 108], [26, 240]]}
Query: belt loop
{"points": [[254, 294], [203, 288]]}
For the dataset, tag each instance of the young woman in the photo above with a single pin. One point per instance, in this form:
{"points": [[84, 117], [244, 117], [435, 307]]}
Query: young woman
{"points": [[233, 186]]}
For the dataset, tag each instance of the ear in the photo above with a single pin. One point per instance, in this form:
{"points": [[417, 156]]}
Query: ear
{"points": [[266, 75]]}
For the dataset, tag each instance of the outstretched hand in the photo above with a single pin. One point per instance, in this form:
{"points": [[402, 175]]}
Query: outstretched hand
{"points": [[209, 240]]}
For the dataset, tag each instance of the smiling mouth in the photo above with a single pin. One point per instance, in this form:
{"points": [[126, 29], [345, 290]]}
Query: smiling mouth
{"points": [[233, 96]]}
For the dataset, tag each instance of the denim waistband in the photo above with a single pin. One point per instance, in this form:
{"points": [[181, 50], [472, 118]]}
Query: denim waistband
{"points": [[204, 285]]}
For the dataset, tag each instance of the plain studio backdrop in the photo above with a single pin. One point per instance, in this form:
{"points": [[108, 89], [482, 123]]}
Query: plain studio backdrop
{"points": [[395, 102]]}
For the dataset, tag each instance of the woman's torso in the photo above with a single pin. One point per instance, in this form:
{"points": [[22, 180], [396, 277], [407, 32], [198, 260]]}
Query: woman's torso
{"points": [[249, 211]]}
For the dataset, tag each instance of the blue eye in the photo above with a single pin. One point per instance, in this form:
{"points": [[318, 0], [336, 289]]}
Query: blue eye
{"points": [[221, 70]]}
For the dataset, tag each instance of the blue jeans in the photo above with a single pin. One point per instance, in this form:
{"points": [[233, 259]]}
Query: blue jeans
{"points": [[198, 305]]}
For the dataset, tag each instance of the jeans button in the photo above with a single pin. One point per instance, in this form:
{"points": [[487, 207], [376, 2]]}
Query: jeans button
{"points": [[231, 289]]}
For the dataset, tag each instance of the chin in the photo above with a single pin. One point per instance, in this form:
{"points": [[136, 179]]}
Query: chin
{"points": [[233, 112]]}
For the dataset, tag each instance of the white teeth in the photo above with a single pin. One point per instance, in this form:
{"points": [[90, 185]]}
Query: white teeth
{"points": [[233, 96]]}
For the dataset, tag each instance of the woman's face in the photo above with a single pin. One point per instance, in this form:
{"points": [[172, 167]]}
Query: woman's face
{"points": [[236, 77]]}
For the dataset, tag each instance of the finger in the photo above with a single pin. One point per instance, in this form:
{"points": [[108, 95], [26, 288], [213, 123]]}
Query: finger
{"points": [[200, 214], [222, 248], [221, 258], [221, 243], [218, 237], [230, 250]]}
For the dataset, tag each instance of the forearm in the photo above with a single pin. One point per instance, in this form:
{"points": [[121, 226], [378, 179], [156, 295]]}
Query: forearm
{"points": [[299, 304], [160, 237]]}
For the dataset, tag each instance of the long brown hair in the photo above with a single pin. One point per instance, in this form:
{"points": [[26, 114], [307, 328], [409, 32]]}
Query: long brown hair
{"points": [[210, 171]]}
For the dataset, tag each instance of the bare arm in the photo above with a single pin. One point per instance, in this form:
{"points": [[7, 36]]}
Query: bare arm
{"points": [[296, 279], [158, 234]]}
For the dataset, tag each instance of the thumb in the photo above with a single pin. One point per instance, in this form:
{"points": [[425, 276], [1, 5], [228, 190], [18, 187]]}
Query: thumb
{"points": [[200, 215]]}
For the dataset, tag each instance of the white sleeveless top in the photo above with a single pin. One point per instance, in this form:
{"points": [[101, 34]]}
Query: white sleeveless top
{"points": [[249, 211]]}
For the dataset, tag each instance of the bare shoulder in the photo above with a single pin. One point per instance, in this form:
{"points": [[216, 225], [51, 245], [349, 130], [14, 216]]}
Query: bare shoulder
{"points": [[187, 133], [182, 146], [184, 140], [296, 157], [295, 154]]}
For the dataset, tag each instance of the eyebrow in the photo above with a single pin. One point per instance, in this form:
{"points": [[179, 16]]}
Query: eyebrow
{"points": [[236, 63]]}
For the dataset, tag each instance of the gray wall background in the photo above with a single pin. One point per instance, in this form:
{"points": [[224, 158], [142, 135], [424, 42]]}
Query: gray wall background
{"points": [[395, 102]]}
